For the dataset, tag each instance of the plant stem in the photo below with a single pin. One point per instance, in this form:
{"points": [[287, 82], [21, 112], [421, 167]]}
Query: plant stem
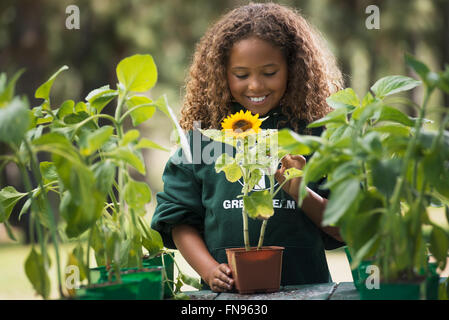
{"points": [[128, 112], [264, 223], [37, 174], [89, 241], [34, 223], [245, 229], [262, 234], [135, 233], [101, 115], [394, 205], [407, 158], [244, 214]]}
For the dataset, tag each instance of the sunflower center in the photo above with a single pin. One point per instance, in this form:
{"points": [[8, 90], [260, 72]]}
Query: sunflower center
{"points": [[241, 125]]}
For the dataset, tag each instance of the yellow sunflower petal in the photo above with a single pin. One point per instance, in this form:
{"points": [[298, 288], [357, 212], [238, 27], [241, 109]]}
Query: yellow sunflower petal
{"points": [[241, 124]]}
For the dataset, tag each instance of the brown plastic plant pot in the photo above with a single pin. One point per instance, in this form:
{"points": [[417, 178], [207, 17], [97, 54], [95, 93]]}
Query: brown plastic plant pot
{"points": [[256, 270]]}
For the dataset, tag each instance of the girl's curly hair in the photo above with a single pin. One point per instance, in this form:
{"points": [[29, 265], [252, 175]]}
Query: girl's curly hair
{"points": [[313, 74]]}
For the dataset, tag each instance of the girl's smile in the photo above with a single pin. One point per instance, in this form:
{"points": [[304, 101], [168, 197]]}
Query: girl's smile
{"points": [[256, 74]]}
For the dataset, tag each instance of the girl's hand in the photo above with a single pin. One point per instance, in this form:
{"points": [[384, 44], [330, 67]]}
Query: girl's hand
{"points": [[220, 279], [287, 162]]}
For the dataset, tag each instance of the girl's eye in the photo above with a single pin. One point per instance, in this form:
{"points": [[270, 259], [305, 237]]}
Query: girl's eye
{"points": [[269, 74], [241, 76]]}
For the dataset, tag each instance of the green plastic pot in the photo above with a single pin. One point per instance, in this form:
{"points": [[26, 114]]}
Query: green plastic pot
{"points": [[395, 291], [427, 289], [109, 291], [98, 275], [432, 282], [169, 270], [143, 284], [359, 274]]}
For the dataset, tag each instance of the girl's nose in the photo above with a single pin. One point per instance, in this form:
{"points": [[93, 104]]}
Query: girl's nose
{"points": [[255, 84]]}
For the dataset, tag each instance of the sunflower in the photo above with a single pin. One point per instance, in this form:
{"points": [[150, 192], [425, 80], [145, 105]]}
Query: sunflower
{"points": [[241, 124]]}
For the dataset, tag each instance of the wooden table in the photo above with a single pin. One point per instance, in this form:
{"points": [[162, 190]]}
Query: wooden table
{"points": [[321, 291]]}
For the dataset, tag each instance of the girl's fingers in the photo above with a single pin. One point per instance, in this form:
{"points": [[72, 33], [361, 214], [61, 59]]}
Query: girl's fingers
{"points": [[293, 161], [220, 285], [222, 279]]}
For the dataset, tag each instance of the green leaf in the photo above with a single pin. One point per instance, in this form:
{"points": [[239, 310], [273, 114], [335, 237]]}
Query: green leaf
{"points": [[78, 252], [341, 200], [81, 107], [317, 167], [129, 136], [338, 116], [37, 272], [367, 99], [371, 142], [66, 108], [142, 113], [126, 155], [362, 227], [343, 98], [92, 141], [104, 174], [254, 178], [81, 211], [364, 251], [292, 173], [48, 171], [393, 84], [137, 73], [419, 67], [43, 92], [15, 119], [24, 209], [99, 98], [57, 143], [47, 119], [162, 104], [145, 143], [392, 114], [137, 194], [344, 171], [294, 143], [7, 92], [191, 281], [431, 79], [393, 130], [439, 245], [443, 83], [384, 175], [227, 164], [9, 196], [82, 204], [151, 239], [259, 204], [9, 230]]}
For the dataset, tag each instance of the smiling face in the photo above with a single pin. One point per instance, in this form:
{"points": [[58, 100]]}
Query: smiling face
{"points": [[256, 74]]}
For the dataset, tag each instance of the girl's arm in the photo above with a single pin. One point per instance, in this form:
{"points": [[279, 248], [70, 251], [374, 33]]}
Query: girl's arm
{"points": [[313, 204], [192, 247]]}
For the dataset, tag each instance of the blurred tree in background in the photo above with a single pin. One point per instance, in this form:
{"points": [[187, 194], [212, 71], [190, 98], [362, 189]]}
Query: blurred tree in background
{"points": [[33, 35]]}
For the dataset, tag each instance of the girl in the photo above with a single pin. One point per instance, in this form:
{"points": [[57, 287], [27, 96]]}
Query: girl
{"points": [[267, 59]]}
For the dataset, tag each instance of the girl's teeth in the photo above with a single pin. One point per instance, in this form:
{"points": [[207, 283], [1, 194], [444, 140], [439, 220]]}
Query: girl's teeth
{"points": [[257, 99]]}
